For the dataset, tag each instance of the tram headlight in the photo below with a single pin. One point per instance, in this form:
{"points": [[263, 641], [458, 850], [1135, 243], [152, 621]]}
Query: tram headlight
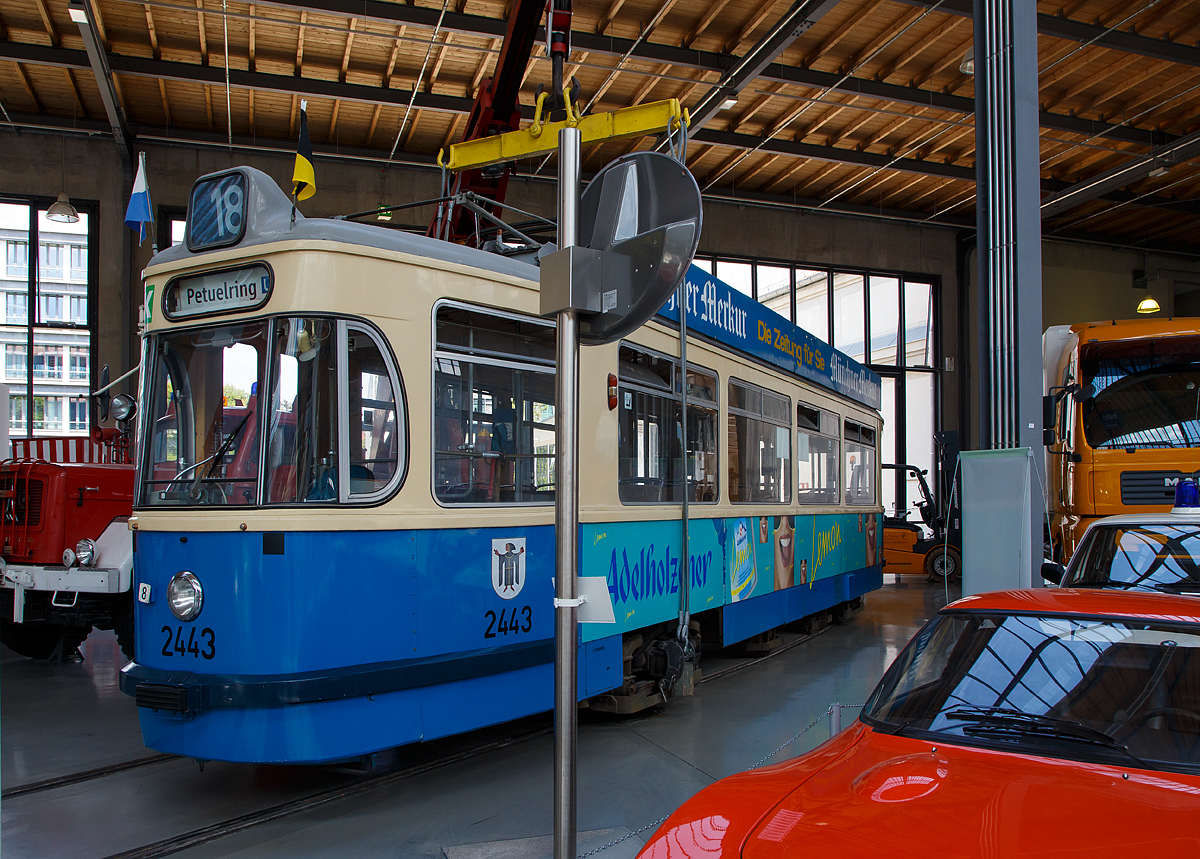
{"points": [[185, 596], [85, 553]]}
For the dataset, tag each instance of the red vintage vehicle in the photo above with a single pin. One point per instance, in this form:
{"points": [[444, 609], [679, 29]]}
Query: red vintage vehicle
{"points": [[1029, 723], [66, 553]]}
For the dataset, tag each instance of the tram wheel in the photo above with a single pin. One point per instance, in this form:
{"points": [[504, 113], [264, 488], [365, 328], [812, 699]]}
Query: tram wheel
{"points": [[38, 640], [943, 563], [123, 624]]}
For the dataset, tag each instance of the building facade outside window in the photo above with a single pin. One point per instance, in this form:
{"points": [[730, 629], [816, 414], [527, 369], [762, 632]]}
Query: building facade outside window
{"points": [[884, 319], [47, 365]]}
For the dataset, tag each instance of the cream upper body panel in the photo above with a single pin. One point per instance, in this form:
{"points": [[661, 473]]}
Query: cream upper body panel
{"points": [[398, 292]]}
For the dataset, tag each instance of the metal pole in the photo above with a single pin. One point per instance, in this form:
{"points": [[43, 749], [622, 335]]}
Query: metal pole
{"points": [[566, 515], [835, 719], [685, 578]]}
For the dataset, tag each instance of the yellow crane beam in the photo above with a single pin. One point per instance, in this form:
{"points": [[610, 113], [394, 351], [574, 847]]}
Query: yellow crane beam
{"points": [[542, 137]]}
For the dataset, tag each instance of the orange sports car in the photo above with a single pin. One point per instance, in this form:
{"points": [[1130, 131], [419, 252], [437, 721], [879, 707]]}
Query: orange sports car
{"points": [[1060, 723]]}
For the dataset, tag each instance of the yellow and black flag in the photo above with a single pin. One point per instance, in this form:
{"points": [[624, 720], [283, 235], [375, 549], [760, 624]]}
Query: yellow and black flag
{"points": [[304, 179]]}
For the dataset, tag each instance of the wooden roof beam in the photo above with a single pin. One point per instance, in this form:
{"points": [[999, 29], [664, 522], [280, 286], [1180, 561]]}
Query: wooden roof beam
{"points": [[29, 90], [437, 63], [953, 58], [714, 9], [48, 23], [752, 24], [391, 64], [762, 165], [299, 65], [609, 15], [482, 68], [203, 38], [252, 47], [919, 48], [869, 50], [346, 52], [1091, 80], [801, 17], [840, 33]]}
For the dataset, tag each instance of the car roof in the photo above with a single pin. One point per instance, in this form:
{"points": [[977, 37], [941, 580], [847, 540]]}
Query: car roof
{"points": [[1168, 518], [1092, 602]]}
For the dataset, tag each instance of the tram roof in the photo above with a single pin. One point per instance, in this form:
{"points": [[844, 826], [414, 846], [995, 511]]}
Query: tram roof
{"points": [[269, 219]]}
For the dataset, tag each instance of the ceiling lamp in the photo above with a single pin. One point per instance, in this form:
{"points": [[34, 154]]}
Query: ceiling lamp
{"points": [[730, 102], [967, 66], [62, 211], [1148, 305]]}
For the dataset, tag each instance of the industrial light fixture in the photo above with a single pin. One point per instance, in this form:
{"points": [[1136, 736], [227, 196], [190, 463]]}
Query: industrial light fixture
{"points": [[77, 13], [1148, 305], [730, 102], [967, 66], [61, 209], [1158, 172]]}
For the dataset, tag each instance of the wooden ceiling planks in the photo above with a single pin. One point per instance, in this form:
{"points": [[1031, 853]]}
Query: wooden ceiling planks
{"points": [[918, 49]]}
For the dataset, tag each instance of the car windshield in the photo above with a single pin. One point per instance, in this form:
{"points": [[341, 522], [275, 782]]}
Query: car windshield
{"points": [[1120, 691], [1142, 393], [1159, 557]]}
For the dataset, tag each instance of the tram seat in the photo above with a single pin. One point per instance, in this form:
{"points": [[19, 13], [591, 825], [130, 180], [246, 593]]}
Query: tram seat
{"points": [[362, 480], [641, 489]]}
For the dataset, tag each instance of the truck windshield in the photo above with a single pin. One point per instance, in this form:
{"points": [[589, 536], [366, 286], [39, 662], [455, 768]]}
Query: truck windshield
{"points": [[1159, 557], [1143, 393], [203, 414], [1114, 690]]}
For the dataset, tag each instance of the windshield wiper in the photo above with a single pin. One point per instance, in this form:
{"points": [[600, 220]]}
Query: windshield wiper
{"points": [[1177, 587], [1006, 719]]}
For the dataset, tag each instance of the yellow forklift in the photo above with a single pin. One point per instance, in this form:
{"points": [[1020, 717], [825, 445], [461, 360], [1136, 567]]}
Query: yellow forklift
{"points": [[907, 549]]}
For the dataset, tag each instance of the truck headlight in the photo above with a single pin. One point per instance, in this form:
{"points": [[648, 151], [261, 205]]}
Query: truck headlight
{"points": [[85, 552], [185, 596]]}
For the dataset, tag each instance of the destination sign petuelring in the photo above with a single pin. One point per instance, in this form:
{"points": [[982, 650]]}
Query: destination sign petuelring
{"points": [[719, 311], [217, 292]]}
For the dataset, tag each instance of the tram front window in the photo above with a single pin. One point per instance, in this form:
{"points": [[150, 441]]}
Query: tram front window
{"points": [[204, 410], [318, 396]]}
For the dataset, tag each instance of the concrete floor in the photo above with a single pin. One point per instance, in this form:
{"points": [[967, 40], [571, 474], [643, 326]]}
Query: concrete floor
{"points": [[496, 802]]}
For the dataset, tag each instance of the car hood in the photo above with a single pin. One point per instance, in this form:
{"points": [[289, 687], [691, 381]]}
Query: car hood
{"points": [[898, 796]]}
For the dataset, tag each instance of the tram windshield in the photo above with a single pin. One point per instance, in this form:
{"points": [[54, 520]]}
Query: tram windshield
{"points": [[316, 395]]}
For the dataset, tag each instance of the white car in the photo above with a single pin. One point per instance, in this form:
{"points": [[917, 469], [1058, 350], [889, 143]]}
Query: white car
{"points": [[1136, 551]]}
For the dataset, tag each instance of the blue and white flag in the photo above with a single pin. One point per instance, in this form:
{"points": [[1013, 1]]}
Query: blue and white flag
{"points": [[139, 214]]}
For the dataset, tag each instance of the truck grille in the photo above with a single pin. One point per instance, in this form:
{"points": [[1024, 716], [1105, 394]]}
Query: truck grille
{"points": [[155, 696], [1150, 487], [26, 495]]}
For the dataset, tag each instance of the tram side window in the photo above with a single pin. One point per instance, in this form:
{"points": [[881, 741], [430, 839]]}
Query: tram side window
{"points": [[493, 407], [374, 440], [302, 446], [760, 445], [816, 455], [650, 466], [204, 416], [860, 464]]}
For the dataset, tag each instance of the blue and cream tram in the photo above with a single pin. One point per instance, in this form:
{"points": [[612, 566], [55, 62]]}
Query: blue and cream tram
{"points": [[344, 521]]}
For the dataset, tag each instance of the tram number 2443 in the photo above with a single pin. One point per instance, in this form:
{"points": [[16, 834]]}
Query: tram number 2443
{"points": [[520, 620], [202, 645]]}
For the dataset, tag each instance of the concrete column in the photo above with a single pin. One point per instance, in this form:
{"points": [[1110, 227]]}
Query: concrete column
{"points": [[1009, 223]]}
